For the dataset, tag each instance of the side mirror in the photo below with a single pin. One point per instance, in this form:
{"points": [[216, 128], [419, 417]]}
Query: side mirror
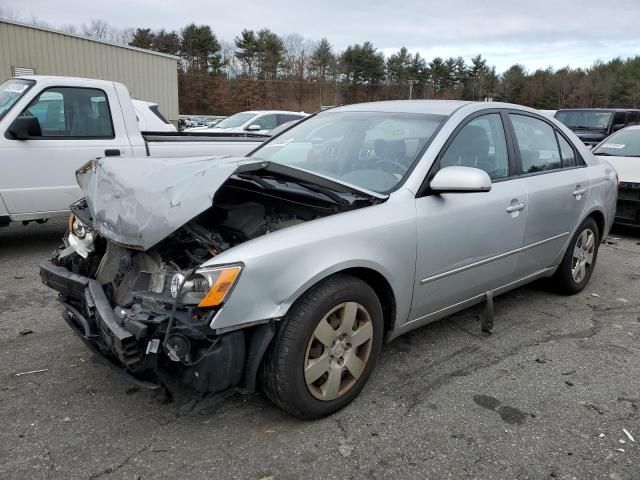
{"points": [[24, 128], [460, 179], [618, 126], [254, 127]]}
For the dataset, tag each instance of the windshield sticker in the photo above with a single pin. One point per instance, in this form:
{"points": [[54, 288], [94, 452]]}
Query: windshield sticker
{"points": [[614, 145], [280, 142], [16, 87]]}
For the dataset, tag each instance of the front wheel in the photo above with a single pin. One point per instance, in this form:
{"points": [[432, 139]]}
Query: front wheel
{"points": [[325, 349], [579, 260]]}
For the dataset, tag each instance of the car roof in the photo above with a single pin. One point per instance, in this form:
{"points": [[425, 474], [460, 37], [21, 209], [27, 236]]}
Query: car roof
{"points": [[143, 103], [438, 107], [434, 107], [273, 111], [599, 110], [64, 78]]}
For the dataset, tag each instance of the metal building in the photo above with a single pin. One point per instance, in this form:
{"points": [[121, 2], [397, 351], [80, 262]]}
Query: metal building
{"points": [[28, 49]]}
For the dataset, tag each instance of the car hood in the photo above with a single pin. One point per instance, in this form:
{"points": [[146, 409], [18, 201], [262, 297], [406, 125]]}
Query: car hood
{"points": [[138, 202], [628, 168]]}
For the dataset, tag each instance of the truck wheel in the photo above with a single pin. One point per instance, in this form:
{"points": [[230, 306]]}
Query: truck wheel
{"points": [[325, 349], [579, 260]]}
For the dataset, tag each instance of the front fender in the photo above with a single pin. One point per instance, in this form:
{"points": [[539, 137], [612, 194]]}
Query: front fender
{"points": [[281, 266]]}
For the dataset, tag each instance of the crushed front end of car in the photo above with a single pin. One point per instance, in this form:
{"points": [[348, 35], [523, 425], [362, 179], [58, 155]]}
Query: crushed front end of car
{"points": [[144, 313], [135, 273]]}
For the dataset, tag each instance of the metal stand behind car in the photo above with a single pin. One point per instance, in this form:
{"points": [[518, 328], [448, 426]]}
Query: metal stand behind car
{"points": [[489, 314]]}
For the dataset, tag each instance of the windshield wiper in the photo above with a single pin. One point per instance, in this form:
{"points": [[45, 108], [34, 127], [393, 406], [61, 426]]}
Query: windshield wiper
{"points": [[604, 154], [256, 179], [313, 188], [327, 192]]}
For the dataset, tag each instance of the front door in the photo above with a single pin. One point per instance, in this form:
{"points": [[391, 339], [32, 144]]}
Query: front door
{"points": [[77, 126], [468, 243]]}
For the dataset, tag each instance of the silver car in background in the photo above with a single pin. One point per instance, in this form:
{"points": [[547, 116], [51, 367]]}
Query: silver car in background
{"points": [[288, 269]]}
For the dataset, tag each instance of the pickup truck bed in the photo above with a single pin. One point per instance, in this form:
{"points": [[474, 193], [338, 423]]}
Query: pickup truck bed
{"points": [[161, 144]]}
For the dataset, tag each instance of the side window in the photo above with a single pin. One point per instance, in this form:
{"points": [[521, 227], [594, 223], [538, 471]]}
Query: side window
{"points": [[632, 118], [285, 117], [619, 119], [537, 144], [567, 152], [72, 112], [481, 144], [266, 122]]}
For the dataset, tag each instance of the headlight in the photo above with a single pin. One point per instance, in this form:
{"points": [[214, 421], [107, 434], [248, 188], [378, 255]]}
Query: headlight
{"points": [[78, 228], [207, 287]]}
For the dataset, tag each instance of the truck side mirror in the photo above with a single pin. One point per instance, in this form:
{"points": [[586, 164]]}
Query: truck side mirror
{"points": [[24, 128]]}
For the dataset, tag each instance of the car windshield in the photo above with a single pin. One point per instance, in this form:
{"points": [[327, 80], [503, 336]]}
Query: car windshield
{"points": [[235, 121], [587, 119], [625, 143], [11, 91], [371, 150]]}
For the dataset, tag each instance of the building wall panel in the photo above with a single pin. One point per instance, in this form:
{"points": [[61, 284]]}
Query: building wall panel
{"points": [[148, 75]]}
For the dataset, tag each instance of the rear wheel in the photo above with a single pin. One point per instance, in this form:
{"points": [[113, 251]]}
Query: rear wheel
{"points": [[579, 260], [325, 349]]}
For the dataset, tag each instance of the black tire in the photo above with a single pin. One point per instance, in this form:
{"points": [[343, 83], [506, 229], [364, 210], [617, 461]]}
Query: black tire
{"points": [[283, 377], [563, 280]]}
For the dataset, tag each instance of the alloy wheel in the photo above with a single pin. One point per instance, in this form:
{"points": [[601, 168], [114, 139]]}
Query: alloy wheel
{"points": [[338, 351], [583, 252]]}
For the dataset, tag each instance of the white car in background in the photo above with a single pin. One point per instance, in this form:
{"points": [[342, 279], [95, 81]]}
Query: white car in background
{"points": [[254, 121], [622, 151], [548, 113], [150, 119]]}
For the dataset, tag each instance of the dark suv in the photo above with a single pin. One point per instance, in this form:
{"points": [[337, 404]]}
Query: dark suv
{"points": [[592, 125]]}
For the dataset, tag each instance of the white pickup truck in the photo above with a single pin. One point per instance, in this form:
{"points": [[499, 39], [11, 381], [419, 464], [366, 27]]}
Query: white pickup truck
{"points": [[51, 126]]}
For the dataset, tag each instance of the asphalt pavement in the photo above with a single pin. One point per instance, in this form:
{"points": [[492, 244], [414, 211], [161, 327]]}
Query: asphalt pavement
{"points": [[548, 396]]}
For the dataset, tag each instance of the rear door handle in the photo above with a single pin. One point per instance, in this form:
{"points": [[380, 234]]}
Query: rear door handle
{"points": [[515, 208], [114, 152], [579, 191]]}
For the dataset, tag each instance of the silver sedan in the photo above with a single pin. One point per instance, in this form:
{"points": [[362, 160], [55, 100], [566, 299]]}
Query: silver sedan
{"points": [[288, 269]]}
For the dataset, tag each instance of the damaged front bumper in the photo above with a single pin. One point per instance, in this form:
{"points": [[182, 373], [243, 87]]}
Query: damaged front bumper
{"points": [[133, 344], [628, 206]]}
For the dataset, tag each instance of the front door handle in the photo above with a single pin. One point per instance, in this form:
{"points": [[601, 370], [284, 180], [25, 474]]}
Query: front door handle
{"points": [[114, 152], [579, 191], [515, 208]]}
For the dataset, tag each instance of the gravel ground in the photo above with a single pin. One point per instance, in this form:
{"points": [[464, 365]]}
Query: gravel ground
{"points": [[547, 396]]}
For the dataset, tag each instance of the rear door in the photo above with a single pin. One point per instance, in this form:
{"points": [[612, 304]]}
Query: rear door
{"points": [[78, 124], [557, 184], [468, 243]]}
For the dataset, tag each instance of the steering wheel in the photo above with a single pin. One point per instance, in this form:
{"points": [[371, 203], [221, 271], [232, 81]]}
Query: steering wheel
{"points": [[390, 167]]}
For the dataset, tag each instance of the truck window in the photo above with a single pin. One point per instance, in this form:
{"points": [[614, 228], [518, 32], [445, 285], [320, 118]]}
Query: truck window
{"points": [[619, 119], [11, 91], [266, 122], [72, 112], [287, 117]]}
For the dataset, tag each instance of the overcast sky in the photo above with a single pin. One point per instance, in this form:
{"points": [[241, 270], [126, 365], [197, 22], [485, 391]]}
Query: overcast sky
{"points": [[535, 33]]}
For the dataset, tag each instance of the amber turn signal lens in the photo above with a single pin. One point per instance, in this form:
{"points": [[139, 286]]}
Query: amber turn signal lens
{"points": [[221, 287]]}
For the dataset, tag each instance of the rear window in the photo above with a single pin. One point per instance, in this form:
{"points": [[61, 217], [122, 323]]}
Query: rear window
{"points": [[156, 110]]}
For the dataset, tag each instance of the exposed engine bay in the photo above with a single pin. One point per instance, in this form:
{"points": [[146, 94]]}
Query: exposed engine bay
{"points": [[150, 310]]}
